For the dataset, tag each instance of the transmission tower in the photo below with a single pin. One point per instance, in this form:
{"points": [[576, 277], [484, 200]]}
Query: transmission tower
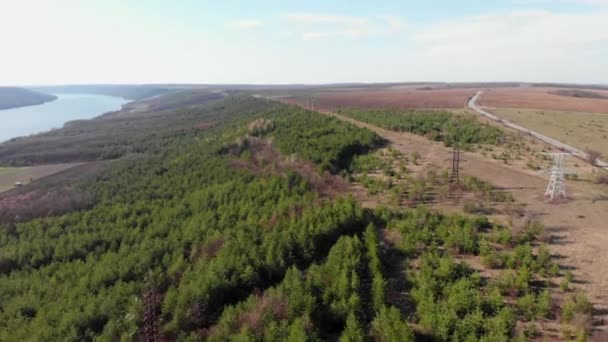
{"points": [[310, 104], [454, 175], [558, 172], [150, 319]]}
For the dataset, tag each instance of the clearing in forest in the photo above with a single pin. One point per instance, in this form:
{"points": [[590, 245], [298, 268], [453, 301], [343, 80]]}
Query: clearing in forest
{"points": [[576, 228], [10, 175]]}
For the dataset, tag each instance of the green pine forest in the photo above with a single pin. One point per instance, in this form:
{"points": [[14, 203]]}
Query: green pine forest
{"points": [[226, 233], [443, 126]]}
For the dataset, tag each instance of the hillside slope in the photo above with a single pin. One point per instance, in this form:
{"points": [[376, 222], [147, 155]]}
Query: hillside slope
{"points": [[13, 97]]}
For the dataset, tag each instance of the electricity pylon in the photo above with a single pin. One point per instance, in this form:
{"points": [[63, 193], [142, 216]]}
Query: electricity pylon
{"points": [[310, 104], [454, 175], [558, 171]]}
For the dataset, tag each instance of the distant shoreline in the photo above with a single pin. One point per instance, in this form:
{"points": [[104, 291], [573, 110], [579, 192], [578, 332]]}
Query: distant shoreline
{"points": [[25, 121], [14, 97], [54, 98]]}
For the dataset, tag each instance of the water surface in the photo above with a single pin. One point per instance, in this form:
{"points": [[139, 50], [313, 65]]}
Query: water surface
{"points": [[34, 119]]}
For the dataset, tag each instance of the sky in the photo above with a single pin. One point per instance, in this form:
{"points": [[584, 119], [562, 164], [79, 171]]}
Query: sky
{"points": [[314, 41]]}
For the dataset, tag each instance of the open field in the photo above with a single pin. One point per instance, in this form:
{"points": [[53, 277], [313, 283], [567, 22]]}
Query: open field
{"points": [[581, 130], [543, 98], [395, 97], [10, 175], [55, 190]]}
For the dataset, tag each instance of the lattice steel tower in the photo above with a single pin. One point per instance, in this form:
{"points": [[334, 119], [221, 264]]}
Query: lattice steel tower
{"points": [[454, 175], [558, 172]]}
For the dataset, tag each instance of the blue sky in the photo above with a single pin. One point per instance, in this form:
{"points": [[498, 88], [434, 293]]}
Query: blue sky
{"points": [[277, 41]]}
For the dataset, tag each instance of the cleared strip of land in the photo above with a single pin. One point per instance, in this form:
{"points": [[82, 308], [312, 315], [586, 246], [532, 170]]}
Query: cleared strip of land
{"points": [[577, 227], [11, 175]]}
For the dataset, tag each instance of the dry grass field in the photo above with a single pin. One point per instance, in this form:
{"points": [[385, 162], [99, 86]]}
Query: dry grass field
{"points": [[394, 97], [581, 130], [10, 175], [543, 98]]}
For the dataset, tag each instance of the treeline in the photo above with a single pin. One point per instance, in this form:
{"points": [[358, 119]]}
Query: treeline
{"points": [[436, 125]]}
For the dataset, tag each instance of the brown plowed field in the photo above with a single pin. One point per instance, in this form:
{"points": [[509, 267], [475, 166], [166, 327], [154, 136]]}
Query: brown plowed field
{"points": [[541, 98], [395, 97]]}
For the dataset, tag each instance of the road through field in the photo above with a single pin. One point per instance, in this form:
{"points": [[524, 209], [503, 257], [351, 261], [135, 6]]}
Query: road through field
{"points": [[472, 104], [578, 229]]}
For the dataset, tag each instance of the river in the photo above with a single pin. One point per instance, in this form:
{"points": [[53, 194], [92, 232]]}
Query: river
{"points": [[35, 119]]}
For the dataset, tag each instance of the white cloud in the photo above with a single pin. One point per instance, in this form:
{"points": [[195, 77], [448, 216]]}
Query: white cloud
{"points": [[593, 2], [329, 34], [245, 24], [311, 18], [517, 45], [393, 23], [323, 25]]}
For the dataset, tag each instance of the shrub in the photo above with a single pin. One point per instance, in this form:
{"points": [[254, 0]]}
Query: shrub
{"points": [[576, 304], [581, 336], [543, 305], [564, 285], [527, 306], [544, 257], [531, 330], [415, 157], [500, 235], [569, 276], [554, 270], [592, 156], [388, 326], [493, 260], [352, 331], [477, 208]]}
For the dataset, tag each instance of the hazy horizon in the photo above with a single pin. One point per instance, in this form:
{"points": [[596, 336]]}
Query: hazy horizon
{"points": [[170, 84], [68, 42]]}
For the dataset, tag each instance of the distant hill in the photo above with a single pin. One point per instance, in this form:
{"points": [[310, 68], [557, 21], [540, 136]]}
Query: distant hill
{"points": [[129, 92], [13, 97]]}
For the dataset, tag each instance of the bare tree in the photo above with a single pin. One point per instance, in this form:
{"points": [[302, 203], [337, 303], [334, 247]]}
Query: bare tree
{"points": [[593, 156]]}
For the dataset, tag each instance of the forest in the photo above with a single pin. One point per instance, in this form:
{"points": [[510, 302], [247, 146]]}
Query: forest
{"points": [[226, 231], [130, 131], [436, 125]]}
